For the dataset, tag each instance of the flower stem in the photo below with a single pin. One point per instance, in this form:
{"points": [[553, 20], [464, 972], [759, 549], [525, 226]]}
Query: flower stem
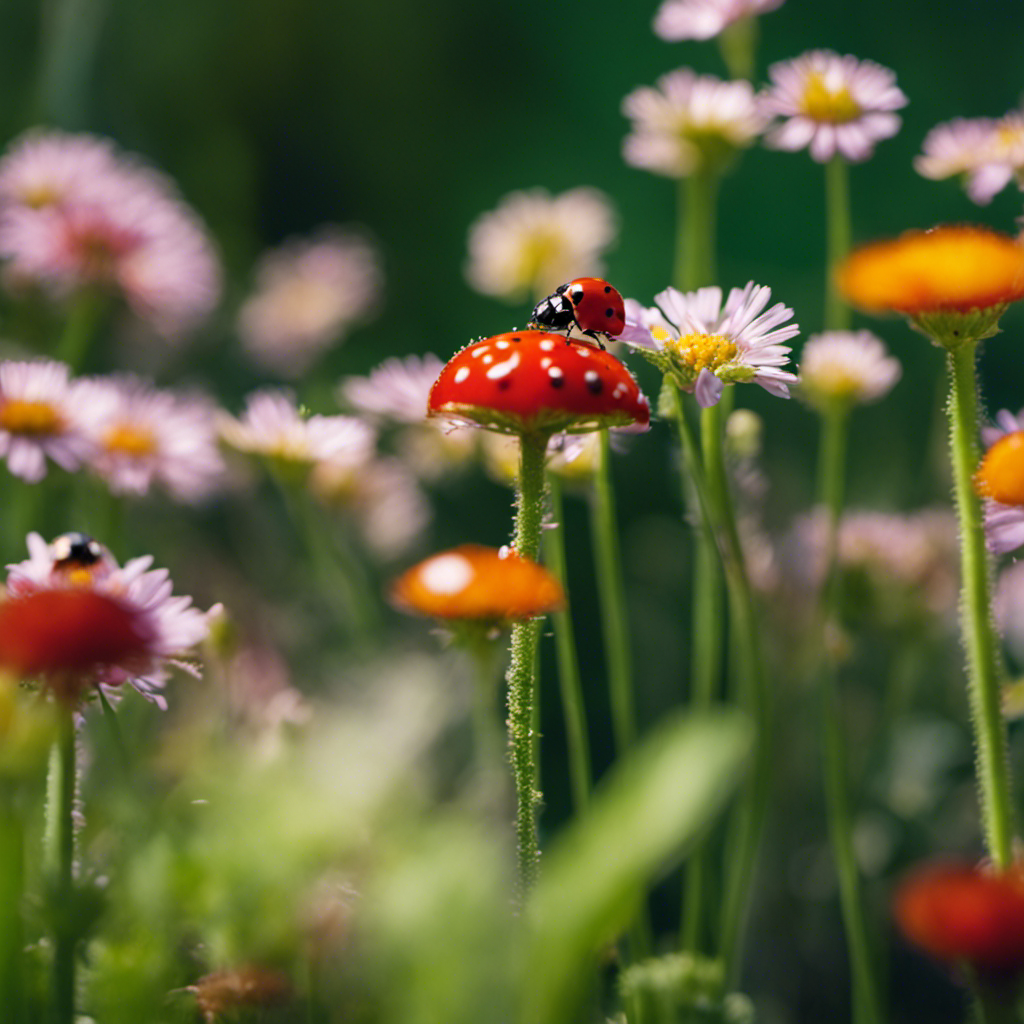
{"points": [[522, 668], [708, 632], [838, 235], [12, 880], [60, 851], [573, 709], [832, 459], [695, 250], [612, 592], [79, 330], [984, 669]]}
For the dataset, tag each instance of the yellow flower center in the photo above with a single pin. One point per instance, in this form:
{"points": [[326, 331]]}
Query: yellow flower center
{"points": [[1001, 473], [40, 195], [35, 418], [823, 104], [539, 249], [131, 440], [702, 351]]}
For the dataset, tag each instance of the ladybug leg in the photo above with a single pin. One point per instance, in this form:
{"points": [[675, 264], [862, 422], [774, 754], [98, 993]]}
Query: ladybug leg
{"points": [[597, 337]]}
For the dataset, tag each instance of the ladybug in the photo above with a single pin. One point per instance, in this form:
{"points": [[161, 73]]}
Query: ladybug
{"points": [[72, 551], [589, 303]]}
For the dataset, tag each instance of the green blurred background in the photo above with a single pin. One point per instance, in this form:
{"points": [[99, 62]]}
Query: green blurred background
{"points": [[275, 116]]}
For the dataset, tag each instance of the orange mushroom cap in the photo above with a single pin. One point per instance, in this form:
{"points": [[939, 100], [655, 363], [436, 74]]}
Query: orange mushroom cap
{"points": [[477, 583], [951, 268], [531, 381], [1001, 473], [959, 913]]}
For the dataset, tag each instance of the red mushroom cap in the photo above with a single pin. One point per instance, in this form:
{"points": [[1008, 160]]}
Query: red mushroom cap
{"points": [[527, 382]]}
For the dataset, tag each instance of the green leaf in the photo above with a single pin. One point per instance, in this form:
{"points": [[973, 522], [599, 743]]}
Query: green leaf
{"points": [[645, 814]]}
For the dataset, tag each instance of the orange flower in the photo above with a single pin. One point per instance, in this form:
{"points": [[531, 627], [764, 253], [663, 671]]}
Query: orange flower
{"points": [[1001, 473], [477, 583], [961, 914], [952, 268]]}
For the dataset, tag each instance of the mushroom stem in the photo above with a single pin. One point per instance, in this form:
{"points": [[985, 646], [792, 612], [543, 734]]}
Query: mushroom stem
{"points": [[522, 668]]}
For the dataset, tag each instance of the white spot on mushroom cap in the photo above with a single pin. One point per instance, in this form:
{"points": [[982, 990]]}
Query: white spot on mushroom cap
{"points": [[447, 574], [546, 362], [620, 390], [488, 359], [502, 344], [461, 374], [584, 353], [556, 372], [547, 345], [499, 370], [482, 351], [591, 375]]}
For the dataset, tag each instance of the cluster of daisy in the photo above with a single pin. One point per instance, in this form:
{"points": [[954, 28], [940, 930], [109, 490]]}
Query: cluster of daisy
{"points": [[822, 101], [77, 215], [133, 436]]}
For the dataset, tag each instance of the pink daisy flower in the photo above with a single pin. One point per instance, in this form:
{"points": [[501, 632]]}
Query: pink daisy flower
{"points": [[704, 19], [75, 214], [272, 426], [308, 293], [704, 345], [986, 154], [41, 417], [689, 122], [144, 437], [832, 105], [77, 619]]}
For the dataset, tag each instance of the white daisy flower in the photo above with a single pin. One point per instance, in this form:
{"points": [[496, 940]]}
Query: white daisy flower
{"points": [[144, 437], [272, 426], [705, 19], [705, 346], [688, 122], [76, 619], [309, 292], [40, 418], [832, 104], [851, 367], [533, 242]]}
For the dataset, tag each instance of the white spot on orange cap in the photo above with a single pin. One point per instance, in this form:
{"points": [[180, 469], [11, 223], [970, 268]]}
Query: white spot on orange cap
{"points": [[547, 345], [501, 344], [482, 351], [556, 372], [461, 374], [447, 574]]}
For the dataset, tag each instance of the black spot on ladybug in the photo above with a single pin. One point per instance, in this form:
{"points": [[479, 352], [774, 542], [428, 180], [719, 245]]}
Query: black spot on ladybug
{"points": [[594, 382], [609, 312], [607, 289]]}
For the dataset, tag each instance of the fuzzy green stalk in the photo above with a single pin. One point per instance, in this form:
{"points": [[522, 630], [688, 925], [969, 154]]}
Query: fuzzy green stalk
{"points": [[522, 668], [866, 1004], [59, 858], [612, 592], [573, 709], [984, 668], [838, 235], [12, 883], [70, 37]]}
